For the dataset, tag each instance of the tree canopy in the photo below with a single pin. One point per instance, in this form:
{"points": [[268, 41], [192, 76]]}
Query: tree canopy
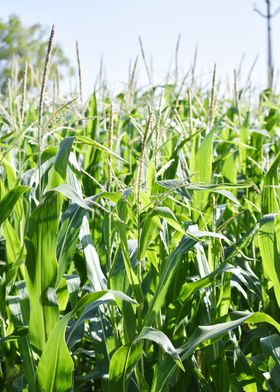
{"points": [[20, 44]]}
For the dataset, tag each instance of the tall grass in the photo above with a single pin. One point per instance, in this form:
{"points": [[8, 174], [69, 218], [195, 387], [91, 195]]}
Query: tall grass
{"points": [[140, 242]]}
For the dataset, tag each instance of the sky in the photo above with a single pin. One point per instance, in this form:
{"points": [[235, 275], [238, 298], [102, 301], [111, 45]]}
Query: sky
{"points": [[223, 31]]}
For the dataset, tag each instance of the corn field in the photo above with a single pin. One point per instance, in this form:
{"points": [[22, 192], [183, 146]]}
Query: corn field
{"points": [[140, 238]]}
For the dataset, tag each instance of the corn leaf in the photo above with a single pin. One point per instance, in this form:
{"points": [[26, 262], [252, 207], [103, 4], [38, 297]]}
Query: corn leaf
{"points": [[269, 233], [87, 140], [41, 270], [9, 201], [271, 192]]}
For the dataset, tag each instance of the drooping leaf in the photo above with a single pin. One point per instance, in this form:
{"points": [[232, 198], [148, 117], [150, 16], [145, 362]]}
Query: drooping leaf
{"points": [[169, 217], [166, 368], [72, 195], [89, 141], [162, 340]]}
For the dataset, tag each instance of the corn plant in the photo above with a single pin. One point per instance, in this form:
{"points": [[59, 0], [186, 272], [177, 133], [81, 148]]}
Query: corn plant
{"points": [[140, 240]]}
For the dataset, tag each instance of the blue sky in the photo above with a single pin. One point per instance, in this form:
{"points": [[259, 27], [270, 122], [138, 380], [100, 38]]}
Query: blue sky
{"points": [[223, 30]]}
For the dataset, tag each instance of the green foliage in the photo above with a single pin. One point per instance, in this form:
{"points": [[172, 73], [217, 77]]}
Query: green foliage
{"points": [[20, 45], [140, 247]]}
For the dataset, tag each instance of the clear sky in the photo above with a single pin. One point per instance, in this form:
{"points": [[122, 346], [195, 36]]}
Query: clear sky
{"points": [[223, 30]]}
